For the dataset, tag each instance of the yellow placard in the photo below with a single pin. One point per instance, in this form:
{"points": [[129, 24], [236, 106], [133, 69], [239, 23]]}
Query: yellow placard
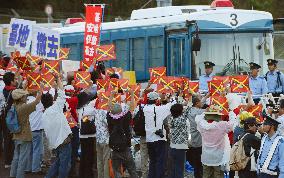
{"points": [[131, 76]]}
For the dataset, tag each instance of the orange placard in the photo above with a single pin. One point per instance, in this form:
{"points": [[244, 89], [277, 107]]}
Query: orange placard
{"points": [[50, 67], [256, 111], [34, 60], [239, 84], [12, 66], [23, 63], [82, 79], [225, 79], [216, 87], [166, 84], [102, 84], [48, 81], [123, 84], [113, 84], [193, 86], [103, 98], [34, 80], [85, 65], [222, 102], [63, 53], [105, 53], [113, 70], [156, 73], [136, 90]]}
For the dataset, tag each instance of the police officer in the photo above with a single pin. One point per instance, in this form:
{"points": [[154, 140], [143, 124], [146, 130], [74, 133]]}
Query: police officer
{"points": [[270, 162], [257, 83], [203, 79], [274, 78]]}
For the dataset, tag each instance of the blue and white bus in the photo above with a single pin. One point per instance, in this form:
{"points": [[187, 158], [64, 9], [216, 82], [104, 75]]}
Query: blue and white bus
{"points": [[166, 36]]}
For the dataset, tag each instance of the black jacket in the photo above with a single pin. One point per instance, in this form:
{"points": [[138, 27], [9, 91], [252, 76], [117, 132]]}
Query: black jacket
{"points": [[125, 121]]}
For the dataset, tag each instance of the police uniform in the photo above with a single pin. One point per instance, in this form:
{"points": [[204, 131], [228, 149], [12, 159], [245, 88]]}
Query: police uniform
{"points": [[258, 85], [270, 162], [203, 79], [275, 80]]}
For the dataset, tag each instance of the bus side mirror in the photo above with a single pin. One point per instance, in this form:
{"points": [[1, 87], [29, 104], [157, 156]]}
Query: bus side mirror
{"points": [[196, 44]]}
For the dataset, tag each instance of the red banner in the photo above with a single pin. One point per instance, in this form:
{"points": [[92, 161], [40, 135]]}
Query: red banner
{"points": [[34, 80], [50, 67], [92, 31], [216, 87], [48, 81], [221, 102]]}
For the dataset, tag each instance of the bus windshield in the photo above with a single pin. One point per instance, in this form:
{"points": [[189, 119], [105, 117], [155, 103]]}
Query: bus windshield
{"points": [[232, 52]]}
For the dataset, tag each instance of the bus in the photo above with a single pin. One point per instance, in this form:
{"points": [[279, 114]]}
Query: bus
{"points": [[182, 38]]}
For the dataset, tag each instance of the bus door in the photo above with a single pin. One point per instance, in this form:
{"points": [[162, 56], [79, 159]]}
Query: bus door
{"points": [[178, 63]]}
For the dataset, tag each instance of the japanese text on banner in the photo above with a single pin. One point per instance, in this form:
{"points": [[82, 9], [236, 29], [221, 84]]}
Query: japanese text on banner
{"points": [[92, 31], [20, 34], [46, 43]]}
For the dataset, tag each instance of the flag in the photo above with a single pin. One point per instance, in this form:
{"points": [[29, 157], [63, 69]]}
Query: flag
{"points": [[12, 66], [156, 73], [186, 88], [103, 98], [216, 87], [222, 102], [34, 60], [82, 79], [23, 63], [15, 54], [166, 85], [102, 84], [114, 70], [240, 84], [225, 79], [113, 84], [85, 65], [48, 81], [255, 110], [63, 53], [123, 84], [136, 91], [34, 80], [193, 86], [50, 67], [105, 52]]}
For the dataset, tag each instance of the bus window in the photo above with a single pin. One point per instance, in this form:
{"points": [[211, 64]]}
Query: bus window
{"points": [[225, 48], [138, 54], [121, 54], [156, 51], [177, 56]]}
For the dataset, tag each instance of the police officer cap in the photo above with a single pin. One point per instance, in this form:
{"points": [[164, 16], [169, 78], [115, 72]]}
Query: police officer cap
{"points": [[254, 66], [271, 61], [209, 64], [270, 121]]}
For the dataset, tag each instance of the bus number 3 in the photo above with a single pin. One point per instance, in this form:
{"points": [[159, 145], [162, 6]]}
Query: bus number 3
{"points": [[234, 21]]}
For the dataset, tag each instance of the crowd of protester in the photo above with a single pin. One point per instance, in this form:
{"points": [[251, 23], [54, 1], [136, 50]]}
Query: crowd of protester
{"points": [[171, 129]]}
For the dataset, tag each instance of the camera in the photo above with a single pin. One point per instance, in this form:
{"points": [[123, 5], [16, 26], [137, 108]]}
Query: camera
{"points": [[160, 133]]}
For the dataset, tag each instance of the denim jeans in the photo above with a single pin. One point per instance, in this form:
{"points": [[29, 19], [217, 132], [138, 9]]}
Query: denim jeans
{"points": [[178, 163], [62, 163], [157, 157], [37, 150], [21, 157]]}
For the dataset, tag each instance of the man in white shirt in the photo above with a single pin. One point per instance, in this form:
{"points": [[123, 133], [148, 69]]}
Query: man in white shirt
{"points": [[37, 135], [156, 134], [57, 131]]}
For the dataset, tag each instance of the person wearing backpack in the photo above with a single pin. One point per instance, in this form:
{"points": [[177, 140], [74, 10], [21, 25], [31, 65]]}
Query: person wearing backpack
{"points": [[22, 138], [274, 78], [10, 81], [118, 119], [87, 135], [246, 156]]}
